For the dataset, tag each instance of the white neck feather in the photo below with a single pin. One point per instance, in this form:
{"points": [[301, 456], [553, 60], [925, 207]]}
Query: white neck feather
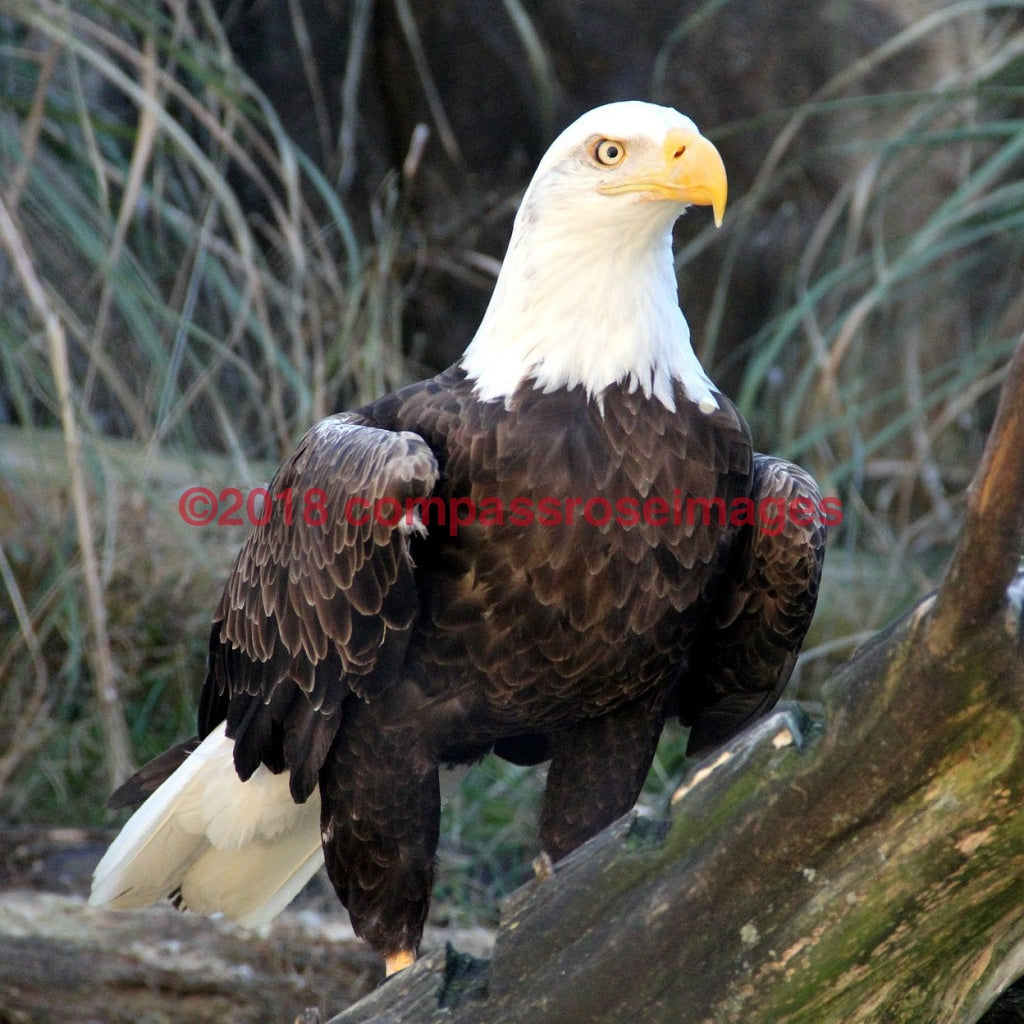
{"points": [[590, 306]]}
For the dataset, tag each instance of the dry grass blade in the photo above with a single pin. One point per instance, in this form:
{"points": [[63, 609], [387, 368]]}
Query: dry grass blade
{"points": [[407, 20], [541, 67], [25, 732], [118, 747], [33, 127]]}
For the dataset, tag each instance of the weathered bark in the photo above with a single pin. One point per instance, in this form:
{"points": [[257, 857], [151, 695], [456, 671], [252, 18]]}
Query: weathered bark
{"points": [[988, 554], [63, 963], [862, 861]]}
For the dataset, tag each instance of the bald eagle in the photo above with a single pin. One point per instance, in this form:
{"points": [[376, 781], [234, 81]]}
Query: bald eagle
{"points": [[535, 553]]}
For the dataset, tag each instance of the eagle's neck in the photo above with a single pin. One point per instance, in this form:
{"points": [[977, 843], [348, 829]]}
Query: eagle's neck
{"points": [[592, 311]]}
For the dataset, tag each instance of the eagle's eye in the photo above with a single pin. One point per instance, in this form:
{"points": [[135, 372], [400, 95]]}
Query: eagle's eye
{"points": [[609, 152]]}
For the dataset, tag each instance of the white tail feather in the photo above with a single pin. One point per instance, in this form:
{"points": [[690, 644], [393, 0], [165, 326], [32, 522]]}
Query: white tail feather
{"points": [[243, 849]]}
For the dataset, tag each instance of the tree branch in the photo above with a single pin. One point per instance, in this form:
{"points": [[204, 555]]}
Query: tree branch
{"points": [[992, 538]]}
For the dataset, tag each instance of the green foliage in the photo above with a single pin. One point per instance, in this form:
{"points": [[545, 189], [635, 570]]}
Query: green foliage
{"points": [[488, 840]]}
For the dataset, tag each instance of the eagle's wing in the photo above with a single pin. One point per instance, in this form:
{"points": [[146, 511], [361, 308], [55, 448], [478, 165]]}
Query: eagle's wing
{"points": [[322, 598], [741, 664]]}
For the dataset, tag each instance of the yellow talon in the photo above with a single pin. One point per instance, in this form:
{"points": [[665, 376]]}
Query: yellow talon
{"points": [[398, 961], [543, 868]]}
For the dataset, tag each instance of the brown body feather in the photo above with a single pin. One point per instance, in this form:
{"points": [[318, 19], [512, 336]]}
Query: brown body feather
{"points": [[361, 656]]}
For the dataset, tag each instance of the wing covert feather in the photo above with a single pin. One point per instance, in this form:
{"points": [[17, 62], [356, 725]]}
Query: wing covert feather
{"points": [[320, 604]]}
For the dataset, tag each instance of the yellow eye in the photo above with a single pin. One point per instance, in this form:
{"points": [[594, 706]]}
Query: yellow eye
{"points": [[609, 152]]}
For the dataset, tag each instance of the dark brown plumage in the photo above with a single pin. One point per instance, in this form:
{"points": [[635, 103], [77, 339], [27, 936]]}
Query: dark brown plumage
{"points": [[576, 603]]}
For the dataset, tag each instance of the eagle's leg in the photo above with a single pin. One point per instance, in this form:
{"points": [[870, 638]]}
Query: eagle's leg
{"points": [[597, 770], [380, 823]]}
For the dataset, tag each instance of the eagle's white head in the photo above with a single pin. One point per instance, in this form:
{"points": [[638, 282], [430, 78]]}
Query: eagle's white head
{"points": [[587, 292]]}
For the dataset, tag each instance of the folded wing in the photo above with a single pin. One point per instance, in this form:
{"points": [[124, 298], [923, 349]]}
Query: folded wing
{"points": [[746, 655], [317, 612]]}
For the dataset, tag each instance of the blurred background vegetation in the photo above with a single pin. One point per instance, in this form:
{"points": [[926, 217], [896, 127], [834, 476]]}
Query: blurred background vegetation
{"points": [[221, 220]]}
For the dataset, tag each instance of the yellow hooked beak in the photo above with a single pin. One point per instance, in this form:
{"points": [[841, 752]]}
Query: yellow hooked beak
{"points": [[689, 170]]}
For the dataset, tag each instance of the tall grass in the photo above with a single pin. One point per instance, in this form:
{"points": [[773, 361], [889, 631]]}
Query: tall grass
{"points": [[203, 284], [212, 281], [881, 366]]}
